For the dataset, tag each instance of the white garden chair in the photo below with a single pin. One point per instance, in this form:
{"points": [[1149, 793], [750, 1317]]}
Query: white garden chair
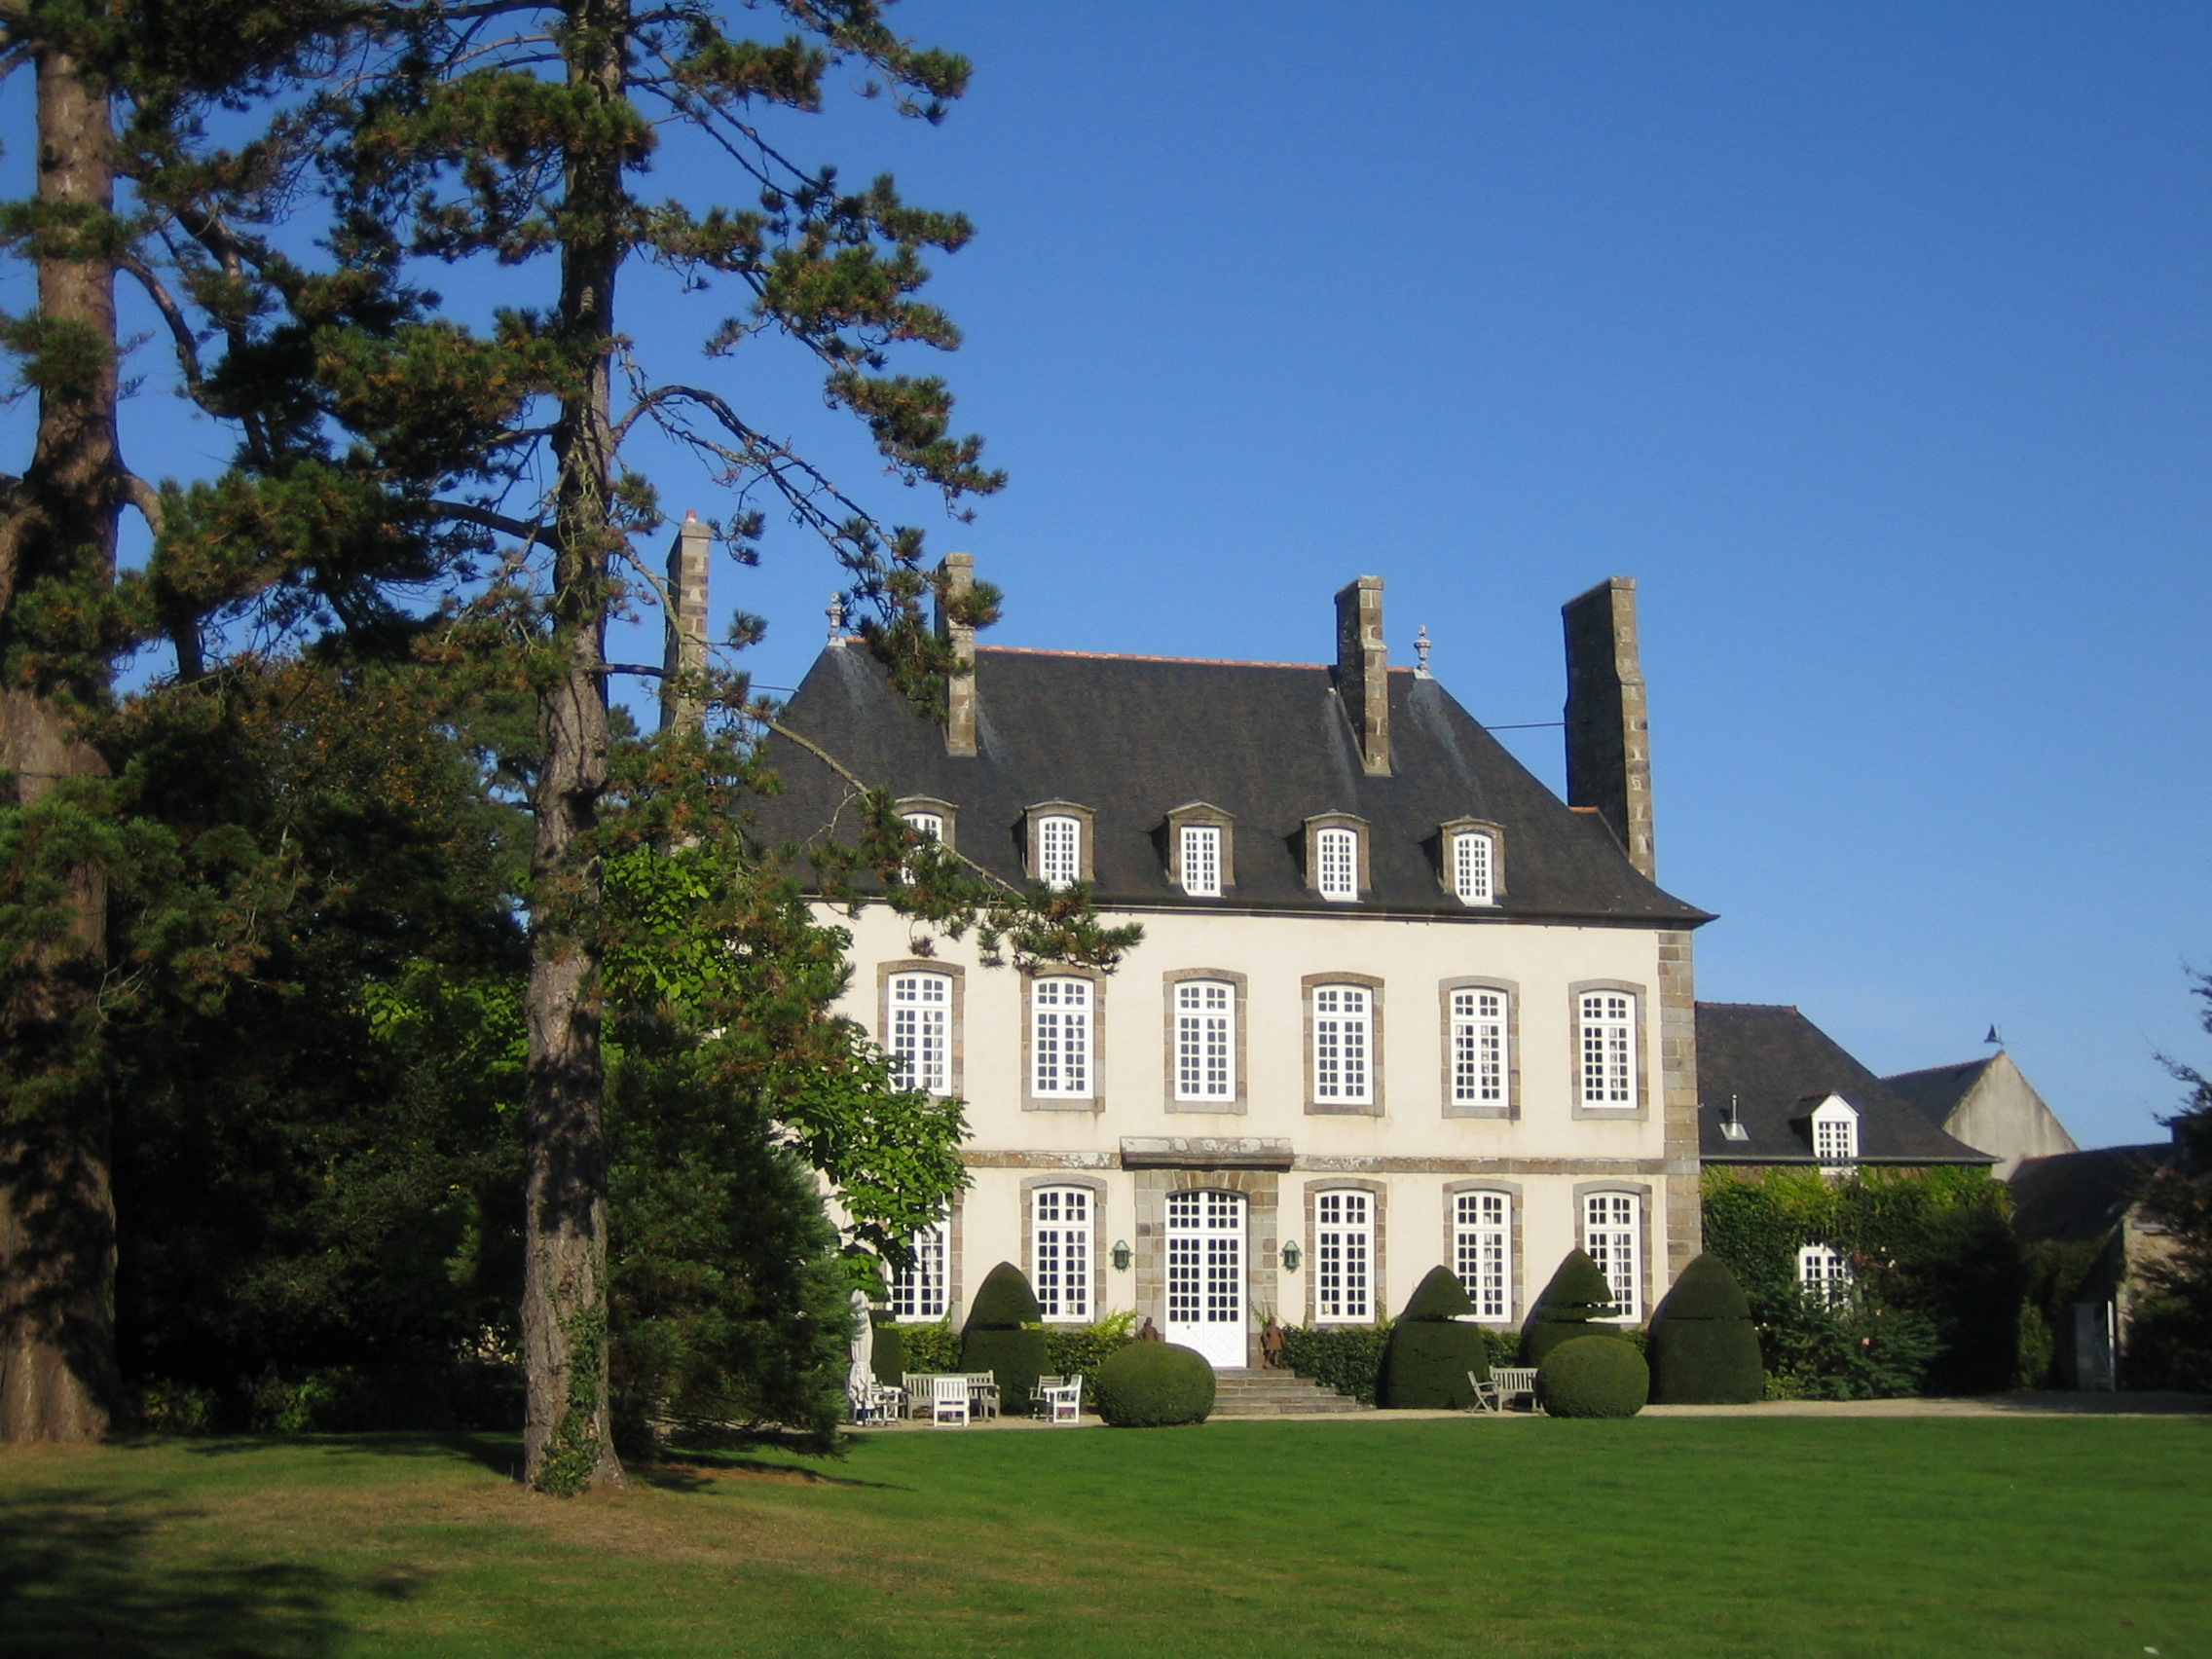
{"points": [[984, 1392], [1059, 1399], [948, 1401]]}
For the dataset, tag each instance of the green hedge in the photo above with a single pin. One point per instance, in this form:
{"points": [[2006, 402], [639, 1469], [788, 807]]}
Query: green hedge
{"points": [[1569, 1307], [1703, 1347], [1348, 1358], [1431, 1354], [1154, 1386], [930, 1347], [1593, 1376]]}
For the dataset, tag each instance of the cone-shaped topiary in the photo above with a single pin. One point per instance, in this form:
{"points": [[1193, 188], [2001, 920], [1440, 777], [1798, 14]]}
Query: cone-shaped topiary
{"points": [[1704, 1349], [1577, 1294], [1593, 1376], [888, 1357], [1431, 1352], [1153, 1385], [1003, 1335]]}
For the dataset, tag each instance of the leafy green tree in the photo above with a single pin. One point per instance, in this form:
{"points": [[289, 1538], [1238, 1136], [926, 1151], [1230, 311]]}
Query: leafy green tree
{"points": [[2170, 1342]]}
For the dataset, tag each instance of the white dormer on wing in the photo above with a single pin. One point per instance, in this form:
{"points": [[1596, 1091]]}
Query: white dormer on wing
{"points": [[1835, 1132]]}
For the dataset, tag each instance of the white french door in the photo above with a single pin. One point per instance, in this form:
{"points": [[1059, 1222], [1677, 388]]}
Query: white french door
{"points": [[1205, 1275]]}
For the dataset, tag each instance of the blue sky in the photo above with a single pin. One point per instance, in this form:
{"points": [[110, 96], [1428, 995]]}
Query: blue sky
{"points": [[1871, 340]]}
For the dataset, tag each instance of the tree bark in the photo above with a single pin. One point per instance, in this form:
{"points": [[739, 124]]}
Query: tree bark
{"points": [[59, 1377], [567, 1442]]}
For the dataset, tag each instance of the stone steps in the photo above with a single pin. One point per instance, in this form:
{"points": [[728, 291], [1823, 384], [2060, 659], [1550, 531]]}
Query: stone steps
{"points": [[1242, 1394]]}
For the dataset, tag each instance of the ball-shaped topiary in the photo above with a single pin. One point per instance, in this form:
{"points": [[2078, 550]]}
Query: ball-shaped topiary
{"points": [[1431, 1353], [1153, 1385], [887, 1358], [1593, 1376], [1004, 1335], [1703, 1346], [1577, 1294]]}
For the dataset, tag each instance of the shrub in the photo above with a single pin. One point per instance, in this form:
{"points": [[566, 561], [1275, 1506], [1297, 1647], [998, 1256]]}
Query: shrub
{"points": [[933, 1346], [1005, 1335], [888, 1358], [1703, 1348], [1593, 1376], [1430, 1354], [1347, 1358], [1155, 1384], [1577, 1294], [1079, 1351]]}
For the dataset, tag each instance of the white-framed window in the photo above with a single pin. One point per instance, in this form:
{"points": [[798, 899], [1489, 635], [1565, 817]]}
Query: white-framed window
{"points": [[1343, 1257], [921, 1032], [929, 825], [1824, 1273], [917, 1289], [1474, 867], [1611, 1234], [1481, 1237], [1607, 1034], [1201, 859], [1835, 1132], [1059, 1039], [1344, 1045], [1059, 1221], [1205, 1040], [1059, 851], [1479, 1060], [1336, 856]]}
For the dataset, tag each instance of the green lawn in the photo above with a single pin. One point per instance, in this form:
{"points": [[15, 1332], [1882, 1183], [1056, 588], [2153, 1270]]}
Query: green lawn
{"points": [[1780, 1537]]}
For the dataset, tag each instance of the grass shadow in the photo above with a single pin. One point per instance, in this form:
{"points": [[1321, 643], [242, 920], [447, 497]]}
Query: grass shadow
{"points": [[77, 1578], [500, 1453]]}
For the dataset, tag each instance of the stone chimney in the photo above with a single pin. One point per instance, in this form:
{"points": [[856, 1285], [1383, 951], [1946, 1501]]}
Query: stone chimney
{"points": [[1609, 731], [960, 685], [686, 663], [1363, 670]]}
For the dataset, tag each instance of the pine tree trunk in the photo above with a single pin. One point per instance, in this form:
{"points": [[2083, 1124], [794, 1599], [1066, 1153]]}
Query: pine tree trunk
{"points": [[566, 1441], [58, 1377]]}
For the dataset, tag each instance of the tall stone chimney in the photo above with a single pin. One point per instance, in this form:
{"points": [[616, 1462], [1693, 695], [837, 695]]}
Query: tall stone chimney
{"points": [[1608, 730], [960, 685], [1363, 670], [686, 663]]}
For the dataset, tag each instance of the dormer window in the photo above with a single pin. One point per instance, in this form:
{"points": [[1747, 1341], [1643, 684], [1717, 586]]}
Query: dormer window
{"points": [[929, 818], [1200, 853], [1336, 856], [1059, 836], [1835, 1131], [929, 825], [1200, 859], [1474, 867]]}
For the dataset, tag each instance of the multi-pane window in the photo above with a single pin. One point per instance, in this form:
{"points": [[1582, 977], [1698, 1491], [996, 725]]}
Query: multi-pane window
{"points": [[1835, 1135], [1205, 1040], [1343, 1042], [921, 1032], [1059, 851], [1824, 1273], [1478, 1047], [1060, 1220], [1343, 1255], [1059, 1039], [1474, 867], [917, 1289], [1483, 1245], [929, 825], [1200, 858], [1609, 1048], [1336, 855], [1610, 1235]]}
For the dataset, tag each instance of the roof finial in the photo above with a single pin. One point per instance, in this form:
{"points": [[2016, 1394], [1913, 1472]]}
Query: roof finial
{"points": [[836, 616], [1422, 644], [1996, 1038]]}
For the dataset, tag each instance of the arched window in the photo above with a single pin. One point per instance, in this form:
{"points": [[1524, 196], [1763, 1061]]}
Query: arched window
{"points": [[1343, 1257], [1059, 851], [929, 825], [1479, 1059], [1824, 1273], [1059, 1039], [1483, 1248], [1608, 1033], [1343, 1046], [1474, 867], [917, 1289], [1200, 860], [1205, 1040], [1612, 1233], [1336, 853], [1061, 1223], [921, 1032]]}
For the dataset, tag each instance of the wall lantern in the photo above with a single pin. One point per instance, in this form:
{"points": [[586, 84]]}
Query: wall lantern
{"points": [[1291, 1255], [1120, 1255]]}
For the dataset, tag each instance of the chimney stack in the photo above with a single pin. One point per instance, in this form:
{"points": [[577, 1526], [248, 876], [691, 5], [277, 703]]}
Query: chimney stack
{"points": [[685, 664], [1363, 670], [960, 685], [1608, 730]]}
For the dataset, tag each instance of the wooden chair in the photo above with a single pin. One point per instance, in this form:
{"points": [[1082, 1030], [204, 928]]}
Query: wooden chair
{"points": [[1513, 1381], [875, 1402], [948, 1401], [917, 1392], [1059, 1399], [984, 1392], [1486, 1393]]}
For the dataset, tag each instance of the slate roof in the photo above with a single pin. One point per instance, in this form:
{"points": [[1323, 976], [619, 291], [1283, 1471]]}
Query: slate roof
{"points": [[1938, 1091], [1268, 743], [1777, 1065], [2081, 1195]]}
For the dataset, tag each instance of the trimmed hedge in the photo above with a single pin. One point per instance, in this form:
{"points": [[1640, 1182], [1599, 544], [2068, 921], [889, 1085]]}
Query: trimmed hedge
{"points": [[1593, 1376], [888, 1357], [1154, 1386], [1004, 1302], [1005, 1335], [1348, 1358], [1703, 1346], [1577, 1294], [1431, 1352]]}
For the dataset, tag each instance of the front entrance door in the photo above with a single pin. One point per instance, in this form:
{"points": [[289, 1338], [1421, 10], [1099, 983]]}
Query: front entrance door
{"points": [[1205, 1275]]}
